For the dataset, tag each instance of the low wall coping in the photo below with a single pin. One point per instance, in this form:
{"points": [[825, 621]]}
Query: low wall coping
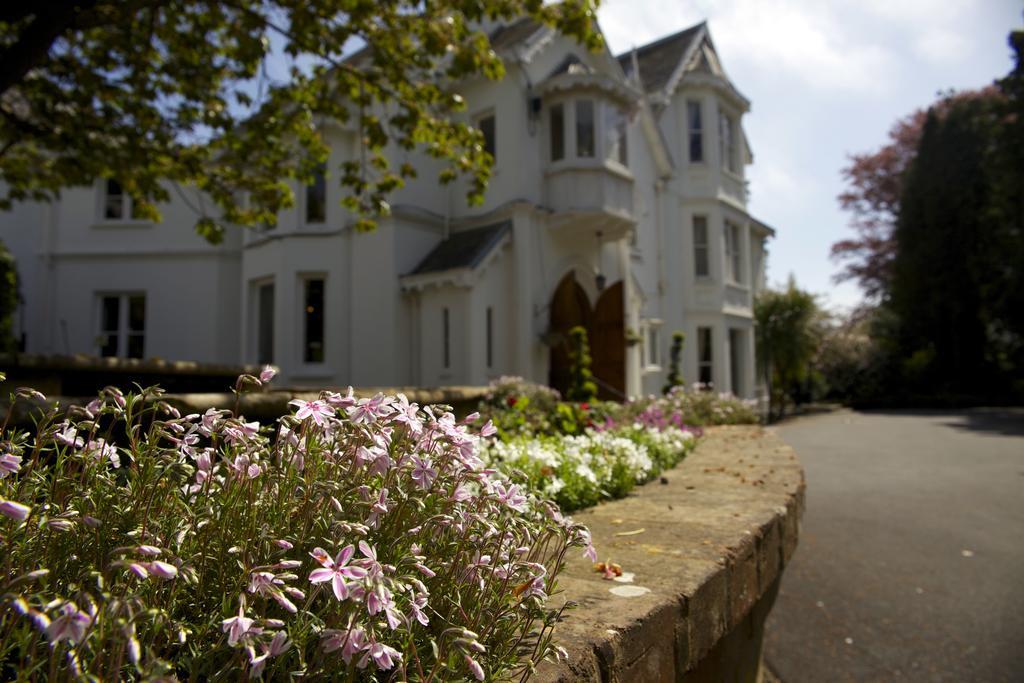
{"points": [[699, 548]]}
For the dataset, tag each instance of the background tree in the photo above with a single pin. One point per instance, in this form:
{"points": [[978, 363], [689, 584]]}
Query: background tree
{"points": [[150, 91], [875, 185], [787, 333]]}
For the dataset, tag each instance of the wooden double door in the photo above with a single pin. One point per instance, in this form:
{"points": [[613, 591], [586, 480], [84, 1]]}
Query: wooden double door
{"points": [[606, 331]]}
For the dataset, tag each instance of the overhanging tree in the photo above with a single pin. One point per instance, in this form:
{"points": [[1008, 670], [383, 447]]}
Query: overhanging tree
{"points": [[148, 92]]}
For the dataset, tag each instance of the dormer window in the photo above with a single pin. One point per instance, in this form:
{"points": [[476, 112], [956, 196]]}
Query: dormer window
{"points": [[587, 128]]}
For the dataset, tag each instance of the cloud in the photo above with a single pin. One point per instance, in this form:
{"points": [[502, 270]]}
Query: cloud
{"points": [[788, 40]]}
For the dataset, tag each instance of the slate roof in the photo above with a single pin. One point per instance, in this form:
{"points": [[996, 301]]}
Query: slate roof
{"points": [[465, 249], [659, 60], [512, 34]]}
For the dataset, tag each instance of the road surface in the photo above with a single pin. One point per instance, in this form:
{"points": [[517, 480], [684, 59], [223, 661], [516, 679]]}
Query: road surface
{"points": [[911, 557]]}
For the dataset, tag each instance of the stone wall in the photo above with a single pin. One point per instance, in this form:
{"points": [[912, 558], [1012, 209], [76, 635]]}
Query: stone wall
{"points": [[702, 551]]}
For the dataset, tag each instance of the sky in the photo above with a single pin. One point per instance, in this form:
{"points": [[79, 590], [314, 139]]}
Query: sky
{"points": [[826, 79]]}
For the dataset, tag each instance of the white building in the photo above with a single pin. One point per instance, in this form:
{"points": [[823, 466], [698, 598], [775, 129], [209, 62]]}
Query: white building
{"points": [[618, 201]]}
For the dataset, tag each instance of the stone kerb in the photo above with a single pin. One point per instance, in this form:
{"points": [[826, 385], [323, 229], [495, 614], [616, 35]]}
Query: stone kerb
{"points": [[702, 551]]}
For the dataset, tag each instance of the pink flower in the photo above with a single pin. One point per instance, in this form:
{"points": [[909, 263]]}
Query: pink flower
{"points": [[68, 436], [423, 473], [16, 511], [488, 429], [162, 570], [319, 410], [150, 550], [240, 626], [336, 570], [417, 607], [101, 450], [281, 543], [511, 496], [367, 410], [407, 414], [379, 508], [71, 625], [267, 373], [339, 401], [383, 656], [475, 667], [9, 464]]}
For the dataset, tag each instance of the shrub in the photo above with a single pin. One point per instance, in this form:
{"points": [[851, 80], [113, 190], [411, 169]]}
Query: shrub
{"points": [[355, 539], [692, 407], [675, 373], [582, 388]]}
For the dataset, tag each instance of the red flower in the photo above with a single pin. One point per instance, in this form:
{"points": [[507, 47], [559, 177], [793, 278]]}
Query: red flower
{"points": [[584, 406], [511, 401]]}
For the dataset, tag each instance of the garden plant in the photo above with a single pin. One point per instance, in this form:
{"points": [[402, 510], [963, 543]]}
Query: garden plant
{"points": [[355, 539]]}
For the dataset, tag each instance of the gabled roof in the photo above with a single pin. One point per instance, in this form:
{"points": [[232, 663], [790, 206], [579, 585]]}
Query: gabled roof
{"points": [[659, 61], [511, 35], [464, 249]]}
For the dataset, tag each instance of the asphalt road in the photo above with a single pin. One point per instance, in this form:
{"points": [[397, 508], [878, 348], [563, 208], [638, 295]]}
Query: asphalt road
{"points": [[911, 557]]}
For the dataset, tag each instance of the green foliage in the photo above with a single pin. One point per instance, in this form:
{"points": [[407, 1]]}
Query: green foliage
{"points": [[675, 354], [581, 384], [788, 332], [8, 299], [178, 94]]}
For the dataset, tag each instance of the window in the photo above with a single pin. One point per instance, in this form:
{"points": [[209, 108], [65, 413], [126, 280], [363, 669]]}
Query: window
{"points": [[735, 361], [122, 325], [695, 125], [701, 262], [727, 138], [615, 134], [117, 205], [265, 323], [490, 337], [446, 337], [313, 320], [733, 253], [316, 197], [584, 128], [487, 127], [652, 344], [557, 132], [704, 361]]}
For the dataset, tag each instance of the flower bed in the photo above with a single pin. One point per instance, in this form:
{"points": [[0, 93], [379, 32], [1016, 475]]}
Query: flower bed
{"points": [[354, 539], [581, 453]]}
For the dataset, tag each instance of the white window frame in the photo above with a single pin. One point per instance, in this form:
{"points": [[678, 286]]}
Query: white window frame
{"points": [[127, 205], [123, 331], [698, 130], [303, 280], [650, 330], [699, 246], [727, 141], [255, 286], [710, 362], [733, 252], [322, 173]]}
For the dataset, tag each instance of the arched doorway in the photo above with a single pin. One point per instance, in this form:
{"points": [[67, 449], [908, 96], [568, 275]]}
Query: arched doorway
{"points": [[570, 307], [608, 343]]}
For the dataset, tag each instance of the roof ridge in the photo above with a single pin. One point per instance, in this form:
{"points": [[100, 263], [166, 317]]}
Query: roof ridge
{"points": [[662, 41]]}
